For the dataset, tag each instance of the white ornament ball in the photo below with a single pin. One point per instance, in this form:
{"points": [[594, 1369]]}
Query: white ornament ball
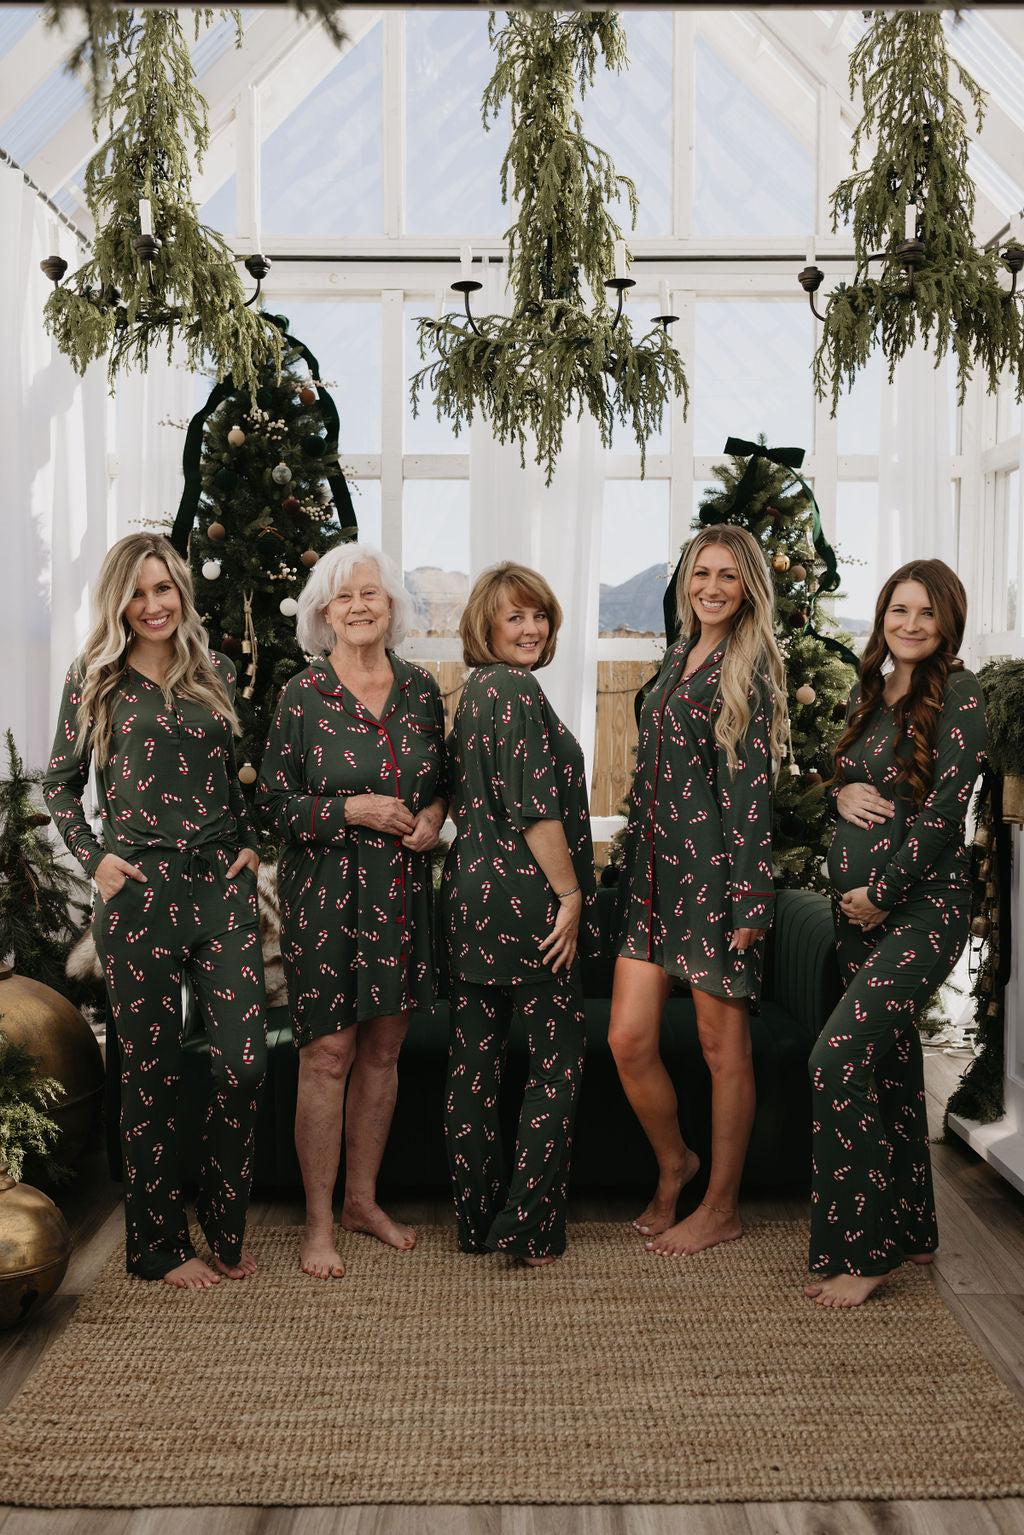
{"points": [[323, 493], [211, 569], [289, 607], [280, 474], [236, 437], [247, 773], [806, 694]]}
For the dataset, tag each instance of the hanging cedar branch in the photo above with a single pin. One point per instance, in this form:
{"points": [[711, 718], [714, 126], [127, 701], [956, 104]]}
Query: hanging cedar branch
{"points": [[958, 300], [553, 359]]}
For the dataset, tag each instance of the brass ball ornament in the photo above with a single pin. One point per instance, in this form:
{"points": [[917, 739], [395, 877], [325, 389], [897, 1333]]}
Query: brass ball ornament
{"points": [[35, 1245], [64, 1046], [780, 561]]}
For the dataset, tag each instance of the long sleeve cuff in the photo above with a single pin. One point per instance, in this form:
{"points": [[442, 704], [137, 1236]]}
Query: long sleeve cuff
{"points": [[752, 908]]}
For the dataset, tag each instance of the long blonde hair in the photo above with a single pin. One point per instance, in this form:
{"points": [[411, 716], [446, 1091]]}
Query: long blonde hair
{"points": [[751, 654], [105, 659]]}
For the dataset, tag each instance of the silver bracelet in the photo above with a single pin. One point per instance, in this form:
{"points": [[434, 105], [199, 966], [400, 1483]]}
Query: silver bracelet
{"points": [[567, 894]]}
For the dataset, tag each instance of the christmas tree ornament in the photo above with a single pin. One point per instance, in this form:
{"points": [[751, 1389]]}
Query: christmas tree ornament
{"points": [[806, 694], [35, 1251], [289, 607], [780, 560], [798, 572], [307, 394], [247, 773], [64, 1049], [323, 493], [291, 505], [225, 479], [211, 569], [229, 645], [980, 927], [280, 474], [309, 558], [236, 437], [217, 531], [313, 445], [798, 618], [773, 512]]}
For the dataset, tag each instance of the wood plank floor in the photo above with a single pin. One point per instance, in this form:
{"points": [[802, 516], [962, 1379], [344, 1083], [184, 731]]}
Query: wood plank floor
{"points": [[979, 1273]]}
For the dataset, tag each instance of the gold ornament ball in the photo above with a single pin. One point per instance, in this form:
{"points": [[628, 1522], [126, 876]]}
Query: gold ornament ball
{"points": [[217, 531], [35, 1245], [236, 437], [309, 558], [247, 773], [64, 1046], [805, 694], [780, 561], [798, 572]]}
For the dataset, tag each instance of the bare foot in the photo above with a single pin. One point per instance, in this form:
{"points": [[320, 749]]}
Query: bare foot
{"points": [[704, 1228], [245, 1266], [192, 1275], [920, 1257], [376, 1223], [841, 1291], [319, 1257], [661, 1212], [537, 1263]]}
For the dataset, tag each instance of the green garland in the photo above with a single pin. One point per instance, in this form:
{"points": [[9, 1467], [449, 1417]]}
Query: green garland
{"points": [[957, 300], [552, 359], [158, 130], [26, 1130]]}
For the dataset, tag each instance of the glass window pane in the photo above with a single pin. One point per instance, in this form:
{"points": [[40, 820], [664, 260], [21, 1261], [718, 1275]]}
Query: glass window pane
{"points": [[322, 166], [344, 337], [856, 546], [1008, 413], [641, 312], [634, 556], [366, 502], [424, 433], [452, 164], [436, 538], [219, 211], [859, 415], [752, 374], [752, 175], [630, 116]]}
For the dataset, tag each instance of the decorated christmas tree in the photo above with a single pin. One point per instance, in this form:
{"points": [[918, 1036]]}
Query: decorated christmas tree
{"points": [[761, 491], [42, 903], [264, 498]]}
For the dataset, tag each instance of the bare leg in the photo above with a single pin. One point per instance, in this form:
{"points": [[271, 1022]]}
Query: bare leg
{"points": [[639, 993], [194, 1274], [724, 1029], [368, 1114], [324, 1066]]}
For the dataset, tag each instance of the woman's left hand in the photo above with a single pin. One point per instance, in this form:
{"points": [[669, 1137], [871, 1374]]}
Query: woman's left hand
{"points": [[248, 858], [743, 937], [561, 942], [426, 829], [859, 909]]}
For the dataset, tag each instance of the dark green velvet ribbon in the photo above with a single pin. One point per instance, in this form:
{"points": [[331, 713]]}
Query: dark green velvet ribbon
{"points": [[191, 458]]}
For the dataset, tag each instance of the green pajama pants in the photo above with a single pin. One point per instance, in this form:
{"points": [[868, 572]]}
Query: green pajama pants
{"points": [[871, 1183], [187, 918], [523, 1215]]}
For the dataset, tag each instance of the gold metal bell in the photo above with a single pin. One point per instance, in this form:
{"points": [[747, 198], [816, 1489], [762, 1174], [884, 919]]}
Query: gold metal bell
{"points": [[35, 1245], [53, 1031]]}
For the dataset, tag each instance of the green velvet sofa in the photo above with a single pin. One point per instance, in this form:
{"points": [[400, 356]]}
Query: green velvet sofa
{"points": [[801, 987]]}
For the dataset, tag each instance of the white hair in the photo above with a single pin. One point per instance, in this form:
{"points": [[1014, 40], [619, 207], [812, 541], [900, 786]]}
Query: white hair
{"points": [[328, 575]]}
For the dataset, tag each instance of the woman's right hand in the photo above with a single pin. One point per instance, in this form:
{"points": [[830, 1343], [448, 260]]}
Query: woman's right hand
{"points": [[564, 935], [862, 805], [111, 872], [380, 812]]}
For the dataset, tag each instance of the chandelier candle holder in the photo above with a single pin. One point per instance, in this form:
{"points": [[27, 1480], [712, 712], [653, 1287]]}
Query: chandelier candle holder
{"points": [[554, 357], [912, 210]]}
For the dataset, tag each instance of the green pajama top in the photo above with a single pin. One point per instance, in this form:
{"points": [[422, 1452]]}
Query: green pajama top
{"points": [[511, 762], [355, 904], [921, 845], [169, 782], [698, 859]]}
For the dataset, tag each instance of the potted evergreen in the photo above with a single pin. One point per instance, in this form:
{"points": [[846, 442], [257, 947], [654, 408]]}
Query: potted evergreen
{"points": [[1003, 685]]}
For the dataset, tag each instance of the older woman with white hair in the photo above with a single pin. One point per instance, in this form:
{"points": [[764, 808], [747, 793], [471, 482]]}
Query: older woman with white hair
{"points": [[353, 778]]}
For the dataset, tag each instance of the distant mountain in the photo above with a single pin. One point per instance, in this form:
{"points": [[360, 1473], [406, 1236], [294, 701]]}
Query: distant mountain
{"points": [[636, 604]]}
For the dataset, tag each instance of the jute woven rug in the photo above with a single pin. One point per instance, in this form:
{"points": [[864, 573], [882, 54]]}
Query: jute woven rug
{"points": [[436, 1377]]}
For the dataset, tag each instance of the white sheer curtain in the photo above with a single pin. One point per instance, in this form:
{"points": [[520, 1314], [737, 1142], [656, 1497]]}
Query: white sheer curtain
{"points": [[555, 530], [54, 436], [153, 410], [915, 502]]}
